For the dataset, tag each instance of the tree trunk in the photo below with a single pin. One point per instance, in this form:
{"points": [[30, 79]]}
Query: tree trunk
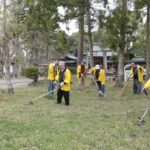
{"points": [[6, 50], [7, 63], [148, 41], [119, 81], [81, 34], [90, 35]]}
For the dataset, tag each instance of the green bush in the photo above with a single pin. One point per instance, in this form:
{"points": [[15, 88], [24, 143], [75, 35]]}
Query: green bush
{"points": [[32, 73]]}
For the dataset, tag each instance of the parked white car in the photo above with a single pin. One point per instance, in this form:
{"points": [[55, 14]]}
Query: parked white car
{"points": [[127, 72]]}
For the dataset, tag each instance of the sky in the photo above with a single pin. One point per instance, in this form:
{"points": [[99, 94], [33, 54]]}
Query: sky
{"points": [[72, 26], [69, 27]]}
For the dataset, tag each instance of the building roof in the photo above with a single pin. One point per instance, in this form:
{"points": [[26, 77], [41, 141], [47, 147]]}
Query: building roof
{"points": [[138, 59], [69, 56], [99, 52]]}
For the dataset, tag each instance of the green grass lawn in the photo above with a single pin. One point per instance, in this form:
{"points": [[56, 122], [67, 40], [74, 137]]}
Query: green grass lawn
{"points": [[89, 123]]}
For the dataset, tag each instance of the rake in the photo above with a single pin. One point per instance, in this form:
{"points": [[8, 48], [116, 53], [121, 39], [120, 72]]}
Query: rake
{"points": [[31, 102], [100, 92], [141, 119]]}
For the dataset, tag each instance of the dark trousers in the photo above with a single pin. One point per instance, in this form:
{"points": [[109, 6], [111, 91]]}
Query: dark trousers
{"points": [[60, 94], [101, 86], [137, 86]]}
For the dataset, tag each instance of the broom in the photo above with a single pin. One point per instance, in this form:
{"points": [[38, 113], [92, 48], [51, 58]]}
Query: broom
{"points": [[126, 85], [100, 92], [120, 94]]}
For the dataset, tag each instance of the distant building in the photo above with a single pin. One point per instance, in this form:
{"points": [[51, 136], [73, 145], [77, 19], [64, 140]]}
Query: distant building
{"points": [[70, 60], [138, 60], [101, 56]]}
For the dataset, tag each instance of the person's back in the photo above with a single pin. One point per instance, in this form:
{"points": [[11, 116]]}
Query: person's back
{"points": [[81, 74], [51, 75], [102, 79]]}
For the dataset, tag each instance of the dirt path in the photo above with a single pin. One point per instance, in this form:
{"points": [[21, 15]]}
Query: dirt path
{"points": [[17, 82]]}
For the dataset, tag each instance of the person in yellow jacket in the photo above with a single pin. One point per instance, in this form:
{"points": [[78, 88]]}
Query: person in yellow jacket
{"points": [[136, 72], [63, 78], [99, 76], [146, 87], [52, 71], [81, 74]]}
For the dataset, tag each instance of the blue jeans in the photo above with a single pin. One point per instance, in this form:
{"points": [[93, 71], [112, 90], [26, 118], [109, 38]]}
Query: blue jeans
{"points": [[137, 86], [101, 86], [51, 86]]}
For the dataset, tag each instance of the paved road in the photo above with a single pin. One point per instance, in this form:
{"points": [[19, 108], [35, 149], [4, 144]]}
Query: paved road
{"points": [[17, 82]]}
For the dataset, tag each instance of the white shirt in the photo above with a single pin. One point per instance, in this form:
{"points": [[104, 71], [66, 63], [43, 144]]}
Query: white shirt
{"points": [[11, 68]]}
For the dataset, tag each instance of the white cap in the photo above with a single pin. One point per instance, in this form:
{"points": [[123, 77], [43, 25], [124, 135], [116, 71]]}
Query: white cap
{"points": [[97, 66]]}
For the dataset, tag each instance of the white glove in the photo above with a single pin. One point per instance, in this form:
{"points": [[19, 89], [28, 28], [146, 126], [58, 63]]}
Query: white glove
{"points": [[55, 82], [81, 75], [131, 76], [138, 66], [61, 84]]}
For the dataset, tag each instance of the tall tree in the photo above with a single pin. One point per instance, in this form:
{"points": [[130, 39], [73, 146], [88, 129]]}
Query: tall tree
{"points": [[81, 33], [121, 44], [40, 19], [119, 28], [148, 41], [140, 5], [6, 45], [89, 33]]}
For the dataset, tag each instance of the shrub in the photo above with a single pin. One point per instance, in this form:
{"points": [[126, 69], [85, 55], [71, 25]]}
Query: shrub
{"points": [[32, 73]]}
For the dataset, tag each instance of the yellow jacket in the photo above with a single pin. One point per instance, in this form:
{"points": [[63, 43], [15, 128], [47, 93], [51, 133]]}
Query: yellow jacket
{"points": [[51, 72], [147, 85], [79, 71], [93, 71], [101, 77], [140, 71], [67, 80]]}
